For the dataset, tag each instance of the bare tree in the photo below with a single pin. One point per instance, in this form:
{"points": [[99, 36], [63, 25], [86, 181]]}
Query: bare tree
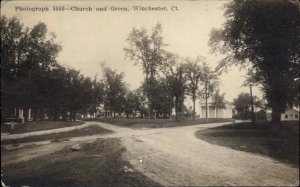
{"points": [[194, 72]]}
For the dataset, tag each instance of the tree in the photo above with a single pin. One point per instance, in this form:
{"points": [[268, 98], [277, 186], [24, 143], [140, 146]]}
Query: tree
{"points": [[32, 79], [27, 55], [79, 92], [57, 92], [115, 89], [175, 76], [12, 32], [219, 100], [210, 82], [140, 92], [99, 93], [162, 98], [146, 50], [194, 72], [133, 103], [242, 105], [265, 35], [68, 92]]}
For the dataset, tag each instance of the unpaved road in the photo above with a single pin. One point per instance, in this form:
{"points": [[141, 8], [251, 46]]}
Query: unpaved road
{"points": [[175, 157]]}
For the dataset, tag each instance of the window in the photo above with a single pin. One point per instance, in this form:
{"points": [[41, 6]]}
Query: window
{"points": [[286, 116], [296, 116]]}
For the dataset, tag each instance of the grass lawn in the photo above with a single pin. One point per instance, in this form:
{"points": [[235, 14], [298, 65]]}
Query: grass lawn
{"points": [[90, 130], [38, 126], [159, 123], [281, 144], [96, 164]]}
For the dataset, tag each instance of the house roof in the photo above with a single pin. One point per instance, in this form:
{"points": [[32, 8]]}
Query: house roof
{"points": [[292, 109]]}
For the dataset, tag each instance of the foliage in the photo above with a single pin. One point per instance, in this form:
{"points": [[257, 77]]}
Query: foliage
{"points": [[242, 105], [175, 78], [264, 35], [115, 89], [219, 99], [32, 79], [209, 80], [194, 73], [146, 50]]}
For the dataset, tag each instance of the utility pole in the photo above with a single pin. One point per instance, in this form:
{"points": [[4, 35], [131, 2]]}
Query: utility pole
{"points": [[217, 105], [252, 108]]}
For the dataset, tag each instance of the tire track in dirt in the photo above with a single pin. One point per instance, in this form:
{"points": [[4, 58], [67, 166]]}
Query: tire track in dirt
{"points": [[175, 157]]}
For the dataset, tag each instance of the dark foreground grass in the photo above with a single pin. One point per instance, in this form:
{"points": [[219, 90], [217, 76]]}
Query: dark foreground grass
{"points": [[90, 130], [94, 165], [159, 123], [38, 126], [281, 143]]}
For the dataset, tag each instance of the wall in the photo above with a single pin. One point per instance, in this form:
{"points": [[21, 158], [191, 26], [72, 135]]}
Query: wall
{"points": [[292, 115]]}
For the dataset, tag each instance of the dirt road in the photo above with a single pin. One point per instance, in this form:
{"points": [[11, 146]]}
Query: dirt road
{"points": [[175, 157]]}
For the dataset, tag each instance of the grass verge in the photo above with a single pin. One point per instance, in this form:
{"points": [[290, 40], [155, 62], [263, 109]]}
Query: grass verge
{"points": [[95, 164], [281, 144], [90, 130], [159, 123], [38, 126]]}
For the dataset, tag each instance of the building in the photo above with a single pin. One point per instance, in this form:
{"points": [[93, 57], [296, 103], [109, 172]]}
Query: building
{"points": [[213, 111], [102, 113], [290, 115]]}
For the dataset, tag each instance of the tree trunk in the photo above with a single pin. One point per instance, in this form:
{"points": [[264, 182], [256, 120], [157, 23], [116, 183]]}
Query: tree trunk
{"points": [[34, 114], [74, 116], [176, 107], [55, 114], [194, 101], [17, 112], [26, 110], [275, 115], [64, 116], [148, 95], [171, 105]]}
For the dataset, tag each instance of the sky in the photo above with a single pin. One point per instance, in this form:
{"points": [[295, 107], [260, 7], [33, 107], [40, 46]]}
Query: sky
{"points": [[91, 37]]}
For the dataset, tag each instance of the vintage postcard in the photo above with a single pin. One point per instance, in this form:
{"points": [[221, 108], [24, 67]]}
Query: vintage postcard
{"points": [[150, 93]]}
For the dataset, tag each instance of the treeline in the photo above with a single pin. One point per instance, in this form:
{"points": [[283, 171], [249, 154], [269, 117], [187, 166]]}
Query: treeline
{"points": [[263, 35], [169, 78], [33, 80], [242, 107]]}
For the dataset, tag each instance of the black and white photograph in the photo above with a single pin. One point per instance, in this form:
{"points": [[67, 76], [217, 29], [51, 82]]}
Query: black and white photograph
{"points": [[137, 93]]}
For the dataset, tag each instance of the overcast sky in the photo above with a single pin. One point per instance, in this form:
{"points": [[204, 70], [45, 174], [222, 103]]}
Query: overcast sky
{"points": [[91, 37]]}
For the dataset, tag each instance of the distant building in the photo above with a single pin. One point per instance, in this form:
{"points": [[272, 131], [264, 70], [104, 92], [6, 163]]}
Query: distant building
{"points": [[290, 115], [213, 111], [102, 113]]}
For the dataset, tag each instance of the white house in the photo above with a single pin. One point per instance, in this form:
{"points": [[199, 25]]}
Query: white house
{"points": [[290, 115], [213, 111]]}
